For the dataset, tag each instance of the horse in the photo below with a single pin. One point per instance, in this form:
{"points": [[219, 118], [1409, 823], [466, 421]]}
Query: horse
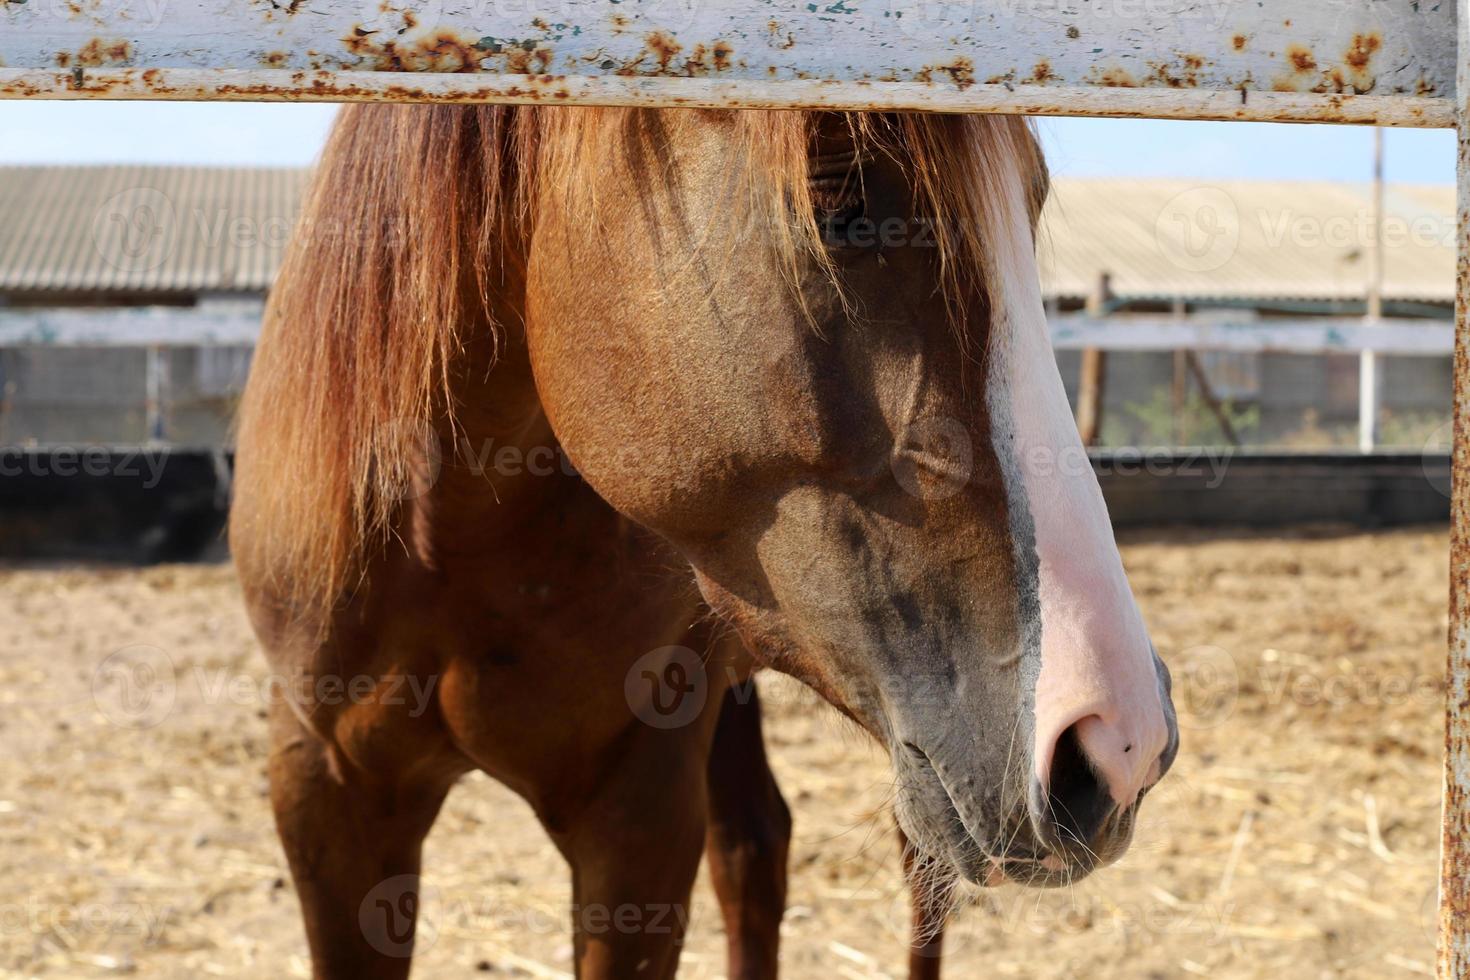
{"points": [[576, 417]]}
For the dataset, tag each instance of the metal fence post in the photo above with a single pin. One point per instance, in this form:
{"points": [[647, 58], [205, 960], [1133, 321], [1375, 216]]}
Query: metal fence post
{"points": [[1370, 378], [156, 383], [1454, 872]]}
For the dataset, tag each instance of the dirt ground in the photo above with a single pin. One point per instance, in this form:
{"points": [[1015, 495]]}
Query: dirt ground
{"points": [[1296, 836]]}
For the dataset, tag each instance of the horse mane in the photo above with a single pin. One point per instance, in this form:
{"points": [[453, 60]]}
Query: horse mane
{"points": [[404, 239]]}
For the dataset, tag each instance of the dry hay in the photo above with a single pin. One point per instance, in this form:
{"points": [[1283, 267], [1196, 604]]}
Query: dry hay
{"points": [[1296, 837]]}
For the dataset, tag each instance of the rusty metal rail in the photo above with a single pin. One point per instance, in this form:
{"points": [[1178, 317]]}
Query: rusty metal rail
{"points": [[269, 85], [1385, 62], [1454, 886], [1391, 62]]}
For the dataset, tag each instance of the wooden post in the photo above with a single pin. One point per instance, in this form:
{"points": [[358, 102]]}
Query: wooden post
{"points": [[1090, 389], [1207, 392]]}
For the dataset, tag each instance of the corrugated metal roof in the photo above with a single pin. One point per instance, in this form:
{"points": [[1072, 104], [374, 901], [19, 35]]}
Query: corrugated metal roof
{"points": [[1257, 241], [155, 230], [195, 229]]}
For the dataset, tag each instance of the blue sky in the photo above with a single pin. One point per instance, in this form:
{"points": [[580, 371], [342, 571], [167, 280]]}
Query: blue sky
{"points": [[290, 135]]}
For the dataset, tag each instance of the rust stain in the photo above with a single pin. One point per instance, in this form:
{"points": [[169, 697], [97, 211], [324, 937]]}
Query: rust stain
{"points": [[961, 71], [1185, 74], [1307, 76], [97, 53], [1042, 73], [441, 51], [1353, 77], [1359, 61], [1116, 78], [526, 58], [703, 58], [1163, 73], [275, 59], [1360, 53], [1332, 81], [273, 7], [1301, 58], [1239, 41], [631, 67], [697, 63], [664, 48]]}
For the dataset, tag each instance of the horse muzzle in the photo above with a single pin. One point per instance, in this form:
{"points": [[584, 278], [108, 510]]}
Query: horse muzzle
{"points": [[1041, 830]]}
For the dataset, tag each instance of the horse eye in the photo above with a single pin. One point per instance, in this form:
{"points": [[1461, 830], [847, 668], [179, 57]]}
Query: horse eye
{"points": [[836, 220]]}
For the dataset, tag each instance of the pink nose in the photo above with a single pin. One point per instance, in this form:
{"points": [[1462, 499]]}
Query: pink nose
{"points": [[1125, 762], [1096, 768]]}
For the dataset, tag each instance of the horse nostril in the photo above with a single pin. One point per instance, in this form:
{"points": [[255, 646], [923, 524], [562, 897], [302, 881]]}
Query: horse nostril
{"points": [[1070, 810]]}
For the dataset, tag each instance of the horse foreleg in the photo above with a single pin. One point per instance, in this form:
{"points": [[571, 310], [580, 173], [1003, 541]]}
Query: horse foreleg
{"points": [[634, 851], [354, 847], [931, 897], [748, 838]]}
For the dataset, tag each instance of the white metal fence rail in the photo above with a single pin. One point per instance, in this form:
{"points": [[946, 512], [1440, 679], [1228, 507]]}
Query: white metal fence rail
{"points": [[239, 325], [1390, 61]]}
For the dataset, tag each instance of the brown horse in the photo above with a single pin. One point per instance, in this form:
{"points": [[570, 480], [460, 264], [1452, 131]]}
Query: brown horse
{"points": [[801, 355]]}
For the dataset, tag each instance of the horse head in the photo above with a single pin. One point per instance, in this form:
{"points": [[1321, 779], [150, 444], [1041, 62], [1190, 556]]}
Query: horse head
{"points": [[810, 350]]}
